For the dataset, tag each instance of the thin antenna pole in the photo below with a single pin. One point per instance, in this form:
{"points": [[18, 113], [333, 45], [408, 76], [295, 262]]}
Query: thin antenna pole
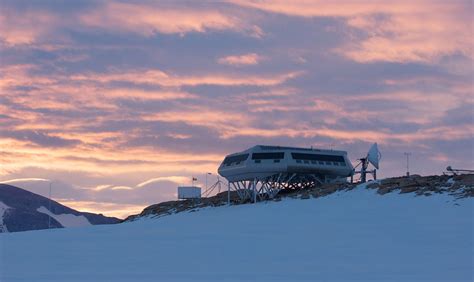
{"points": [[407, 154], [49, 218]]}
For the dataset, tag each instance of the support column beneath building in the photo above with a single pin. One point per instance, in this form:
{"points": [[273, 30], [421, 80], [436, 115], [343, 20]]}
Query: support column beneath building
{"points": [[255, 190]]}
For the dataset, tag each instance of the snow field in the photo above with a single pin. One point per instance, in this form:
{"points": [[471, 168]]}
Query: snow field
{"points": [[347, 236]]}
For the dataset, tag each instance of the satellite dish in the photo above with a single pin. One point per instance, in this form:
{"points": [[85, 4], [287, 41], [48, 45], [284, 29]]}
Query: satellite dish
{"points": [[373, 156]]}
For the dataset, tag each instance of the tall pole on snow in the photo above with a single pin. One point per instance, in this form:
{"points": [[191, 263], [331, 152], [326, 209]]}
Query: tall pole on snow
{"points": [[49, 217], [408, 162], [207, 173]]}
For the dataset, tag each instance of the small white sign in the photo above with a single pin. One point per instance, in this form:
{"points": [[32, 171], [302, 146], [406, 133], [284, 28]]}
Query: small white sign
{"points": [[189, 192]]}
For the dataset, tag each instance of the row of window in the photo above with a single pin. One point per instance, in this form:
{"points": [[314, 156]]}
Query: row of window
{"points": [[310, 162], [317, 157], [321, 162], [277, 156]]}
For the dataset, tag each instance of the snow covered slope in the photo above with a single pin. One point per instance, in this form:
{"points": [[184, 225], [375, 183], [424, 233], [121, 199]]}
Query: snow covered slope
{"points": [[356, 235]]}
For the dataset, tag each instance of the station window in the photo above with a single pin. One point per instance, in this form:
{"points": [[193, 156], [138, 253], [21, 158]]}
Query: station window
{"points": [[306, 162], [258, 161], [328, 163], [298, 161], [314, 162], [276, 161], [268, 156], [236, 159], [321, 163], [336, 163]]}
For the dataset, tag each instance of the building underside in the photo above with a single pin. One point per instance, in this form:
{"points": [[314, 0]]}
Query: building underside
{"points": [[268, 187]]}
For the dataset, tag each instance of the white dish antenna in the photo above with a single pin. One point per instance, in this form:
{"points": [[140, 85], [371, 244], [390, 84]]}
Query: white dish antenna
{"points": [[374, 156]]}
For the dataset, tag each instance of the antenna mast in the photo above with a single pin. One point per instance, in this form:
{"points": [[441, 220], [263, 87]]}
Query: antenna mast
{"points": [[373, 157], [408, 162]]}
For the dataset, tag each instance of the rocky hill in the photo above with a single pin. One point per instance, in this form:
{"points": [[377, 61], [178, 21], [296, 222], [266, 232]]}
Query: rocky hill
{"points": [[457, 186], [21, 210]]}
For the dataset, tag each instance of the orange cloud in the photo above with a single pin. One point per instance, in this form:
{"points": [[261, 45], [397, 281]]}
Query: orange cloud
{"points": [[106, 208], [240, 60], [104, 160]]}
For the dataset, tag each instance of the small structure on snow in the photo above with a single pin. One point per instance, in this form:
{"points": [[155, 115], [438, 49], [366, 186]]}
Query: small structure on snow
{"points": [[189, 192]]}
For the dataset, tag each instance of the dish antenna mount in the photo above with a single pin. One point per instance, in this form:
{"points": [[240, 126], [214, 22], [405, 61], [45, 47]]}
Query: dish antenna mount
{"points": [[373, 157]]}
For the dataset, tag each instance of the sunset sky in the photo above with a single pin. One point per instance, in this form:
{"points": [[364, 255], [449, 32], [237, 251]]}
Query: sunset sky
{"points": [[118, 102]]}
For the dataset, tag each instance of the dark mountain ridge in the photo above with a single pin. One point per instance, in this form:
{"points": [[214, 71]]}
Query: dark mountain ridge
{"points": [[22, 213]]}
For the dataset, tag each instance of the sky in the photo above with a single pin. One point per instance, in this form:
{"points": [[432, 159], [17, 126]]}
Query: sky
{"points": [[116, 103]]}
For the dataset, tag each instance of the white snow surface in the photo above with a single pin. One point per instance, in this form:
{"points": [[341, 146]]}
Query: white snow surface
{"points": [[67, 220], [347, 236], [3, 208]]}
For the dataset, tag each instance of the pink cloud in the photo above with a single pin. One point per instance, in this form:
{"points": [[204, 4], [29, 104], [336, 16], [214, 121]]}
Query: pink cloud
{"points": [[159, 77], [211, 118], [148, 20], [408, 30], [240, 60], [376, 135], [25, 28], [43, 28]]}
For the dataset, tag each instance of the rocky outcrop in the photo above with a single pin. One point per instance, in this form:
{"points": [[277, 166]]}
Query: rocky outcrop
{"points": [[458, 186]]}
